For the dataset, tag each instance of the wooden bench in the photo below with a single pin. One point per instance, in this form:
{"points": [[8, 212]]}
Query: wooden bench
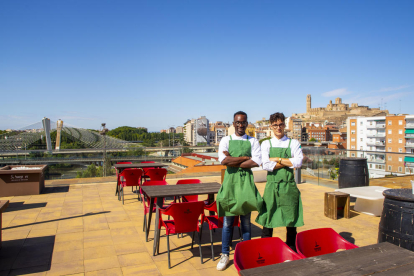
{"points": [[337, 201], [369, 201]]}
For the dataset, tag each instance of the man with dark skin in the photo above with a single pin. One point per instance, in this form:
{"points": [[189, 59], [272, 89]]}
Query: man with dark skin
{"points": [[238, 195]]}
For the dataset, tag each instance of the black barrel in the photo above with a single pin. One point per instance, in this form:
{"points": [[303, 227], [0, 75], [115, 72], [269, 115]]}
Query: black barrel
{"points": [[397, 219], [353, 172]]}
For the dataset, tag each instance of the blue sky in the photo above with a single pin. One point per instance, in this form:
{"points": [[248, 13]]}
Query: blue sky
{"points": [[157, 63]]}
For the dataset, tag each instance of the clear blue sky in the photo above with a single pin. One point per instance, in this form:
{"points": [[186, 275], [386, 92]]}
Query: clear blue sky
{"points": [[158, 63]]}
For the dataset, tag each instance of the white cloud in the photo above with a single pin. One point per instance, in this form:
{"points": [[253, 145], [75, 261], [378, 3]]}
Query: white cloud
{"points": [[388, 89], [336, 92]]}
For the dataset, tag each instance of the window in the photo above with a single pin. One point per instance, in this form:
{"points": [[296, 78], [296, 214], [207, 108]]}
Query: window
{"points": [[352, 154], [400, 150], [400, 159], [400, 122], [389, 131], [389, 123], [400, 141], [353, 124], [390, 140], [390, 168], [370, 166], [352, 139], [389, 149], [361, 148], [362, 139], [389, 157], [400, 131], [352, 147], [352, 131], [400, 169]]}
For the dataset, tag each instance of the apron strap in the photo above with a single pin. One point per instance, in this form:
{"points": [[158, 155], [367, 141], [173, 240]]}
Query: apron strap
{"points": [[270, 142], [290, 140], [231, 138]]}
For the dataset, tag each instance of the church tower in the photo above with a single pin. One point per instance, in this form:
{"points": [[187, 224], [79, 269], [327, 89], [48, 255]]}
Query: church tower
{"points": [[308, 103]]}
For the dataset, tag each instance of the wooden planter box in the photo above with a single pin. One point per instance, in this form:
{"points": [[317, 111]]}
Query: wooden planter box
{"points": [[22, 182]]}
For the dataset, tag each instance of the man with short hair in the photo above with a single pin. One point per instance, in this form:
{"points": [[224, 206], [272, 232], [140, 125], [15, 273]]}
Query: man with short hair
{"points": [[282, 204], [238, 195]]}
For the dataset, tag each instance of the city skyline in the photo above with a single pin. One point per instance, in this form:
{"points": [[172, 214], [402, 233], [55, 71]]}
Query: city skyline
{"points": [[155, 65]]}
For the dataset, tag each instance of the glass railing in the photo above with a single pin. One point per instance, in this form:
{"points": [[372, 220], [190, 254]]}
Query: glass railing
{"points": [[320, 165]]}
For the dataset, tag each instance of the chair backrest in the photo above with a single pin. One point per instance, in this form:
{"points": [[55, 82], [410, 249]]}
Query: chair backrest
{"points": [[122, 163], [320, 241], [262, 252], [132, 177], [146, 169], [157, 174], [151, 183], [191, 198], [213, 208], [185, 215]]}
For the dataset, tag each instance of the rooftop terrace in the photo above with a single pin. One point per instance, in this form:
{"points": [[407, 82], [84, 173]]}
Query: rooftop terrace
{"points": [[82, 229]]}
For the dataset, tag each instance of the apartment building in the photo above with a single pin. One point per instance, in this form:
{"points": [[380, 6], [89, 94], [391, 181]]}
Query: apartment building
{"points": [[383, 140]]}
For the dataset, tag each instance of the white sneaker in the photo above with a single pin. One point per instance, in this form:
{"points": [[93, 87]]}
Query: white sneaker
{"points": [[224, 261]]}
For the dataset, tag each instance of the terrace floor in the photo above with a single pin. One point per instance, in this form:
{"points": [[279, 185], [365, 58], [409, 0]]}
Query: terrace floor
{"points": [[82, 229]]}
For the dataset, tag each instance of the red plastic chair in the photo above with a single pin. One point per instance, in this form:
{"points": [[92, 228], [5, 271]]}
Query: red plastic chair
{"points": [[157, 174], [118, 179], [184, 219], [145, 176], [146, 201], [262, 252], [320, 241], [131, 177], [215, 222], [191, 198]]}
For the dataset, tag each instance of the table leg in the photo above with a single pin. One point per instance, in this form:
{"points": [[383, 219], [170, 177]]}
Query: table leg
{"points": [[156, 231], [211, 200], [151, 207]]}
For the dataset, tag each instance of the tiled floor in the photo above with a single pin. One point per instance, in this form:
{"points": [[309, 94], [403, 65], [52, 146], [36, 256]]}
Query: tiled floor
{"points": [[82, 229]]}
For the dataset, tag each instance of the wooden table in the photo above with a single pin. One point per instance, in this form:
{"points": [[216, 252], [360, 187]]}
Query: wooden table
{"points": [[3, 206], [379, 259], [121, 167], [161, 192]]}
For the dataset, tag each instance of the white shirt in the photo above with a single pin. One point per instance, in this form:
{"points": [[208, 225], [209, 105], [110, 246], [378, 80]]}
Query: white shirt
{"points": [[224, 146], [295, 149]]}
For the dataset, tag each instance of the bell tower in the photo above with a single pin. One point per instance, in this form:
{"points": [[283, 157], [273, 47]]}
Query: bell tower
{"points": [[308, 103]]}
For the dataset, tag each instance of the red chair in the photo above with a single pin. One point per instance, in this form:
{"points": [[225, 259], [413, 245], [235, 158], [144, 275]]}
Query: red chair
{"points": [[320, 241], [214, 222], [191, 198], [158, 174], [145, 176], [262, 252], [146, 201], [131, 177], [184, 219], [117, 178]]}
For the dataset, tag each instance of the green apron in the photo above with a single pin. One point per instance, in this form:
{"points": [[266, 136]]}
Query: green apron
{"points": [[282, 203], [238, 194]]}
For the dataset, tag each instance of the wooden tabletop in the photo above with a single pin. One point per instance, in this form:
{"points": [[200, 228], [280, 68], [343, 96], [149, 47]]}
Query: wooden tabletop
{"points": [[381, 259], [182, 189], [140, 165], [3, 205]]}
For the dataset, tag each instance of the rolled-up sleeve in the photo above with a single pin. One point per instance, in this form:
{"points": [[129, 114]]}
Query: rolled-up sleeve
{"points": [[266, 163], [256, 152], [297, 155], [223, 146]]}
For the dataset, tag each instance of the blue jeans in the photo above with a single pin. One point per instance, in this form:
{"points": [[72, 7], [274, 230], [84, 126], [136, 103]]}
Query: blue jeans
{"points": [[227, 232]]}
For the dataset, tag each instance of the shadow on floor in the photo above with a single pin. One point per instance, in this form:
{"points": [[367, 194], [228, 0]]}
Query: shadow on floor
{"points": [[347, 236], [26, 256], [18, 206], [55, 190], [46, 221]]}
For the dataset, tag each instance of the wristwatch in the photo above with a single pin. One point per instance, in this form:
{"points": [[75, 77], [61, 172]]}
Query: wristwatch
{"points": [[280, 160]]}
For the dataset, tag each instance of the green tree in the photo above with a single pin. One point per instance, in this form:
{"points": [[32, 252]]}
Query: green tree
{"points": [[312, 140]]}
